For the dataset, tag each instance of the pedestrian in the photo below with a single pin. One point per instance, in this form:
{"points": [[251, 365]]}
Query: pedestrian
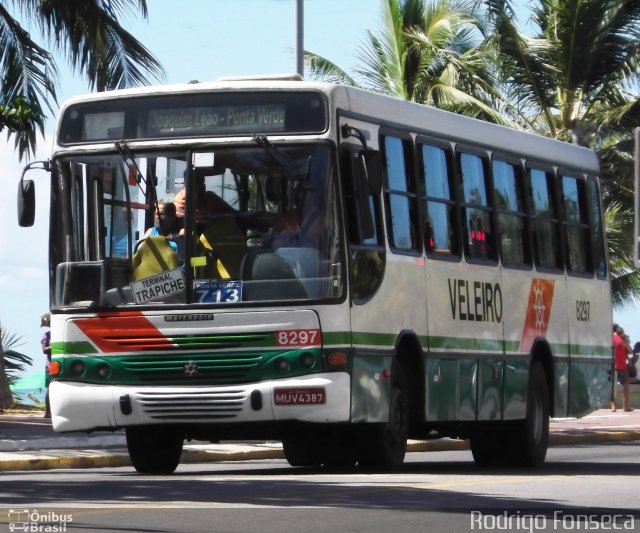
{"points": [[620, 349], [46, 350]]}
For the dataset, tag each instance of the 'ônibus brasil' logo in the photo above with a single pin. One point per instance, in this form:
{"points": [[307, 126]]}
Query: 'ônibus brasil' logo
{"points": [[536, 321]]}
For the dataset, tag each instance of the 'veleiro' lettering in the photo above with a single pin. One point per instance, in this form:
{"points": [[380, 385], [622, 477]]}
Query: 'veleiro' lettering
{"points": [[475, 301]]}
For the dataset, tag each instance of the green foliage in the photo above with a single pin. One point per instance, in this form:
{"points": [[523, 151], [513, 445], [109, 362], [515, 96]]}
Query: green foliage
{"points": [[14, 361], [93, 42], [428, 52]]}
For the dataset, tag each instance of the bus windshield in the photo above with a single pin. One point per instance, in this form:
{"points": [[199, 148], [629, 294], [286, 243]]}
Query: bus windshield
{"points": [[221, 225]]}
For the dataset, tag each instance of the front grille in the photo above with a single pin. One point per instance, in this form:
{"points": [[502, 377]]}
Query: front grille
{"points": [[192, 369], [194, 405]]}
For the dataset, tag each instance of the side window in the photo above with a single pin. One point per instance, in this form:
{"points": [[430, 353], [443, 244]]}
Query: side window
{"points": [[400, 195], [576, 224], [479, 239], [545, 221], [597, 230], [511, 213], [440, 223]]}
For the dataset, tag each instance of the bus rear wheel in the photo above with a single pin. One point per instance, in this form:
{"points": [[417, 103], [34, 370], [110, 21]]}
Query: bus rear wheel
{"points": [[532, 433], [154, 450], [520, 442]]}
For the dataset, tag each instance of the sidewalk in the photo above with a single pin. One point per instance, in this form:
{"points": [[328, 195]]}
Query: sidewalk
{"points": [[109, 450]]}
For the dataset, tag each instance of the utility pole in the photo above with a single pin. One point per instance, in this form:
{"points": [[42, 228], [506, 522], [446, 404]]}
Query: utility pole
{"points": [[299, 37]]}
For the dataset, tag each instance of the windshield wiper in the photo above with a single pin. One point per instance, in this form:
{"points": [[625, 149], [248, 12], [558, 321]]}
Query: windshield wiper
{"points": [[130, 160], [281, 159]]}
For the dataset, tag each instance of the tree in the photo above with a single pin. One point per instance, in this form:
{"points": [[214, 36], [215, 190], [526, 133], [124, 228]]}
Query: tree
{"points": [[88, 34], [11, 361], [430, 52], [575, 78]]}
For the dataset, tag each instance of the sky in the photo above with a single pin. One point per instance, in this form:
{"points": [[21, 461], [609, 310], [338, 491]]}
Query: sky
{"points": [[194, 40]]}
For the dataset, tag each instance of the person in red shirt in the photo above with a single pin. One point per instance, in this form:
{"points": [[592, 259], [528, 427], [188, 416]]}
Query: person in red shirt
{"points": [[620, 349]]}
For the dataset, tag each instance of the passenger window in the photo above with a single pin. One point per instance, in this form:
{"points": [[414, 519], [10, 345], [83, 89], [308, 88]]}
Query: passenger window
{"points": [[545, 222], [400, 195], [597, 232], [576, 224], [479, 241], [507, 183], [440, 224]]}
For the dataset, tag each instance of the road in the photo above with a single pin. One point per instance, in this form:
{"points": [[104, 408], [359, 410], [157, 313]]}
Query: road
{"points": [[437, 491]]}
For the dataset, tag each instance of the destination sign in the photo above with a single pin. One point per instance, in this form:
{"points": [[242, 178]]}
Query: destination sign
{"points": [[227, 119], [194, 114]]}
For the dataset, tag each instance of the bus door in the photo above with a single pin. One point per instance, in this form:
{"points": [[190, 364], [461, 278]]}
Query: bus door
{"points": [[370, 301]]}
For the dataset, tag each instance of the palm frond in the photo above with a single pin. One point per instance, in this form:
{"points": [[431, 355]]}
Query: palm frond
{"points": [[625, 278], [14, 361], [96, 44], [28, 76], [321, 68]]}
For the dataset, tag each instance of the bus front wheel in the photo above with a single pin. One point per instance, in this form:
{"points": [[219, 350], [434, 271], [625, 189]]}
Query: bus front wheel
{"points": [[154, 450], [385, 445]]}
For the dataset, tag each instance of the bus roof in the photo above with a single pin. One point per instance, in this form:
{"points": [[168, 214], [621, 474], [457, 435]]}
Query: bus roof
{"points": [[390, 111]]}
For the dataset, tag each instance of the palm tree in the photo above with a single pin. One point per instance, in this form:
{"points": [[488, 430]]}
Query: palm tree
{"points": [[88, 34], [11, 361], [575, 78], [430, 52]]}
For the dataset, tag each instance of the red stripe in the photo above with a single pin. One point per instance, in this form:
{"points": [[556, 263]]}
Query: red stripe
{"points": [[112, 332]]}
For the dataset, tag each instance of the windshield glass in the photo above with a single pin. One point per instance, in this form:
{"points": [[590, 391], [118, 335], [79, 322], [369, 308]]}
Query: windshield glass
{"points": [[222, 225]]}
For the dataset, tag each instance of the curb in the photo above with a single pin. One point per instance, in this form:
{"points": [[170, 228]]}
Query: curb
{"points": [[57, 459]]}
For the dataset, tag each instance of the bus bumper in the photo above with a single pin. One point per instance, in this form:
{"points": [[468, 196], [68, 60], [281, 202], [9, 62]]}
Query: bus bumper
{"points": [[320, 398]]}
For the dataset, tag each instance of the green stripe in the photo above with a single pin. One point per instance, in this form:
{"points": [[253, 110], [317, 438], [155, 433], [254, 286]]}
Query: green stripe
{"points": [[257, 340], [374, 339], [586, 350], [336, 337], [75, 348], [471, 344]]}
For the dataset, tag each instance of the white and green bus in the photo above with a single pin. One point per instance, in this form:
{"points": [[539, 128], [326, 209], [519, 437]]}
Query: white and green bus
{"points": [[346, 271]]}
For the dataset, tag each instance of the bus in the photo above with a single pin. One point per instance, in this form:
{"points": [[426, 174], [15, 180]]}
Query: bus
{"points": [[346, 271]]}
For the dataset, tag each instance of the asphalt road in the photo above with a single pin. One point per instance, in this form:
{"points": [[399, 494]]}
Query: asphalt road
{"points": [[435, 491]]}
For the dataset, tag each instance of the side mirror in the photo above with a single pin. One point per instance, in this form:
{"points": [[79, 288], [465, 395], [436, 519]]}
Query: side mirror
{"points": [[26, 203]]}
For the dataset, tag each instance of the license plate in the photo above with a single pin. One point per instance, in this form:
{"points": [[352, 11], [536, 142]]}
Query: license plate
{"points": [[300, 396], [217, 291]]}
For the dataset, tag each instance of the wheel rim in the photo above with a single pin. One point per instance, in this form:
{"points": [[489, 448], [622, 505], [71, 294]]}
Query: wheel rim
{"points": [[398, 419], [537, 428]]}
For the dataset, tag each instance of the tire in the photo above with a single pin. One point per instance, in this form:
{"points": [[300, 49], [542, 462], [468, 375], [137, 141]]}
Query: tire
{"points": [[330, 447], [383, 446], [532, 437], [154, 451], [339, 449], [302, 449], [488, 446], [522, 442]]}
